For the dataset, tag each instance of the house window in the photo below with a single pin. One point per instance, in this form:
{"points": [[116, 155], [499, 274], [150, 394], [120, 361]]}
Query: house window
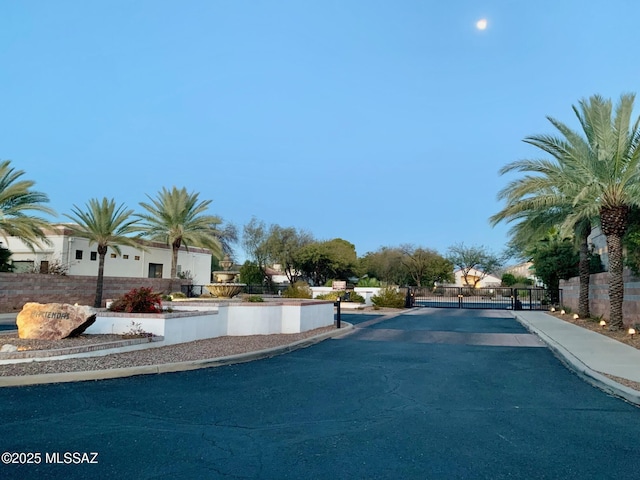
{"points": [[23, 266], [126, 257], [155, 270], [113, 255], [137, 257], [94, 256], [78, 254]]}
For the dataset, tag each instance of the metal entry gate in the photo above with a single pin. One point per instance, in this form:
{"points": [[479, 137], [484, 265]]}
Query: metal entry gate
{"points": [[502, 298]]}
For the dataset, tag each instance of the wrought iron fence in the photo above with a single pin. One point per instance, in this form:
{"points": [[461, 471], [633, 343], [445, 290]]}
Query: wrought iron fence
{"points": [[504, 298]]}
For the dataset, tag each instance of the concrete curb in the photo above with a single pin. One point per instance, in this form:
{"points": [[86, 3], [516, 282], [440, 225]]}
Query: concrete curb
{"points": [[581, 369], [25, 380]]}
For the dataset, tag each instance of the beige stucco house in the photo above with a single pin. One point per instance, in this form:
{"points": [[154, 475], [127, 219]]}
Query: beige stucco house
{"points": [[76, 256]]}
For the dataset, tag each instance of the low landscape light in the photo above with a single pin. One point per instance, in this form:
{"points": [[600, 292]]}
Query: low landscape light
{"points": [[576, 316], [603, 323], [553, 309], [562, 312], [632, 331]]}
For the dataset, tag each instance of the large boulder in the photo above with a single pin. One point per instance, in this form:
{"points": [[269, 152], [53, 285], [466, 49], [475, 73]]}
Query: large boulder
{"points": [[53, 321]]}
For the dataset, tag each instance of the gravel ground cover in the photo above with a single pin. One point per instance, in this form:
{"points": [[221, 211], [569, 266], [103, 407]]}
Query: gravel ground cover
{"points": [[11, 338], [199, 350]]}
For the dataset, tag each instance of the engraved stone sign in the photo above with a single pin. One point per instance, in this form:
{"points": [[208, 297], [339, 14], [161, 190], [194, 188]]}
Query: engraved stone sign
{"points": [[53, 321]]}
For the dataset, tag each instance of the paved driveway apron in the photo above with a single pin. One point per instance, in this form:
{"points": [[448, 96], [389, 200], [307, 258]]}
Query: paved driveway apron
{"points": [[427, 394]]}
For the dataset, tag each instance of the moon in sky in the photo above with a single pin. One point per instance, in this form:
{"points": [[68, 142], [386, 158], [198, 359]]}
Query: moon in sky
{"points": [[481, 24]]}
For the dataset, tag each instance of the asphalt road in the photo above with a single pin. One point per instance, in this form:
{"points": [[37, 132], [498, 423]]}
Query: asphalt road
{"points": [[434, 394]]}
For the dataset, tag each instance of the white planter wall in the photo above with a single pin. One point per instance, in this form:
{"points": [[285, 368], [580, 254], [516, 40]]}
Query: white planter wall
{"points": [[233, 319]]}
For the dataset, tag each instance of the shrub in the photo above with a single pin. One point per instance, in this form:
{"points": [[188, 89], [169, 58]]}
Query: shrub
{"points": [[353, 296], [138, 300], [253, 298], [136, 330], [388, 297], [177, 295], [298, 290], [369, 282]]}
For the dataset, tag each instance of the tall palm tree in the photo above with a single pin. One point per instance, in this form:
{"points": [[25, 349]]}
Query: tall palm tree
{"points": [[540, 209], [176, 217], [613, 180], [17, 199], [106, 225], [598, 172]]}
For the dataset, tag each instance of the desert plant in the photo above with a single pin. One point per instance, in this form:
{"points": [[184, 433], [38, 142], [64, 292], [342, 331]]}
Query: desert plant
{"points": [[356, 297], [368, 282], [388, 297], [253, 298], [136, 330], [333, 296], [298, 290], [138, 300], [51, 267]]}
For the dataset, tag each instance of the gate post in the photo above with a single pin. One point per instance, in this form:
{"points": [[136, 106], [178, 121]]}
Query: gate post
{"points": [[460, 297], [408, 299]]}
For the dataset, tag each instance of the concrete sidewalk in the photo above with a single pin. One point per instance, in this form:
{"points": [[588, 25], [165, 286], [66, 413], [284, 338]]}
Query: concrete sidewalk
{"points": [[588, 353]]}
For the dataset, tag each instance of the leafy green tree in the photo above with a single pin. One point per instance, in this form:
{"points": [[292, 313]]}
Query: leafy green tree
{"points": [[107, 225], [251, 274], [17, 201], [5, 260], [272, 245], [321, 261], [386, 264], [227, 235], [254, 239], [425, 266], [555, 258], [510, 280], [282, 245], [631, 241], [177, 217], [477, 258]]}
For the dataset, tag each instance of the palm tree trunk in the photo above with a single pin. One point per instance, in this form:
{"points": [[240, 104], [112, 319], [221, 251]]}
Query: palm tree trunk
{"points": [[613, 221], [174, 259], [585, 277], [616, 282], [100, 282]]}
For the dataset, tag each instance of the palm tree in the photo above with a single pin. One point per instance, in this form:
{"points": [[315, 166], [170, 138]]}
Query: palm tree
{"points": [[177, 218], [599, 174], [106, 225], [541, 208], [17, 199]]}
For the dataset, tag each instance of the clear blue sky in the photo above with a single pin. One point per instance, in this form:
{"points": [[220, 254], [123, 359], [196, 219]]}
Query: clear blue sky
{"points": [[380, 122]]}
